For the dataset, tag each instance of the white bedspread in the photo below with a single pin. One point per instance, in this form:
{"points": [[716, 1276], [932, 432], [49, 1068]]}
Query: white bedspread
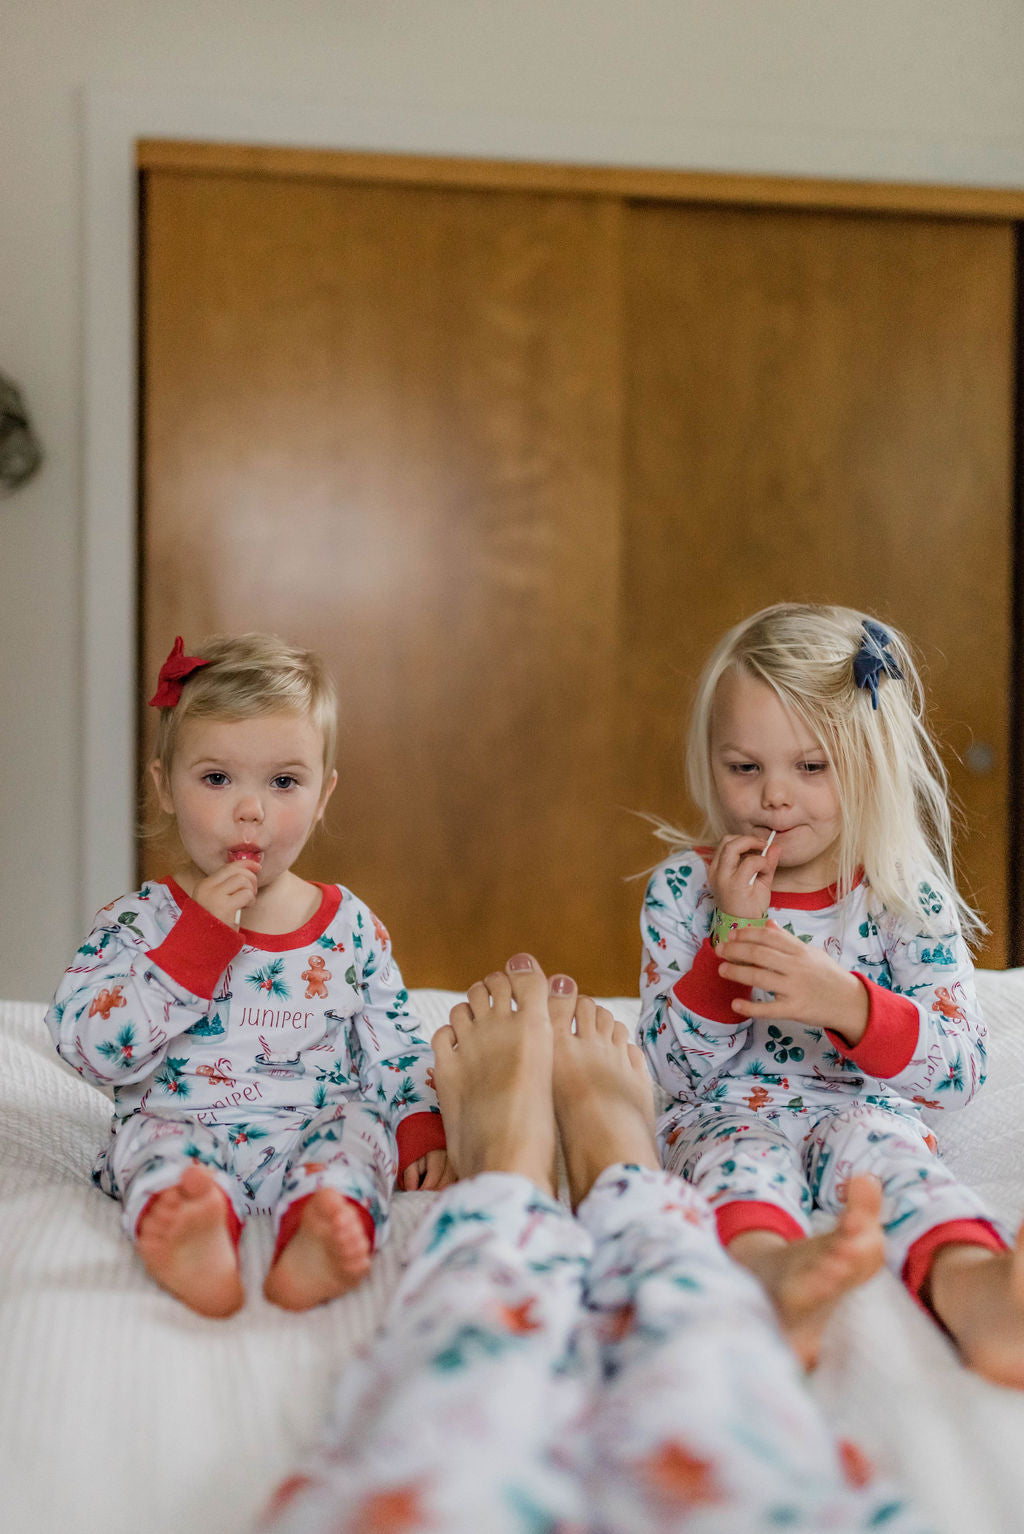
{"points": [[122, 1412]]}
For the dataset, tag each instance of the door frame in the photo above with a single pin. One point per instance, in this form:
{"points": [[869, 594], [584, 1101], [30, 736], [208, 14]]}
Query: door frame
{"points": [[393, 143]]}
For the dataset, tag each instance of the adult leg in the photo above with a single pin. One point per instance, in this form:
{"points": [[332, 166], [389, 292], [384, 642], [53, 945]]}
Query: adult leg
{"points": [[704, 1422], [460, 1419]]}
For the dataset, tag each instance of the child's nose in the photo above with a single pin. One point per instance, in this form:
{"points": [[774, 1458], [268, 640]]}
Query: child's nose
{"points": [[776, 790], [249, 807]]}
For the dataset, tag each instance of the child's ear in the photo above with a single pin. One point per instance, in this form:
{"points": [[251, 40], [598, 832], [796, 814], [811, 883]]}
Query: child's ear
{"points": [[329, 787], [163, 797]]}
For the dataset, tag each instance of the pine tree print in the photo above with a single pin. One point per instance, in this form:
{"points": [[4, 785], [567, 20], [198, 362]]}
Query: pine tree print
{"points": [[208, 1027], [269, 979]]}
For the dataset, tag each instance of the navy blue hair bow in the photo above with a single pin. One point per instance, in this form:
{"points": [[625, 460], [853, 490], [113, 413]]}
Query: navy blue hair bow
{"points": [[873, 660]]}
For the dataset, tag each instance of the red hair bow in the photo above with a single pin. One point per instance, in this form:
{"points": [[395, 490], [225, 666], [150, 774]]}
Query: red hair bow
{"points": [[174, 672]]}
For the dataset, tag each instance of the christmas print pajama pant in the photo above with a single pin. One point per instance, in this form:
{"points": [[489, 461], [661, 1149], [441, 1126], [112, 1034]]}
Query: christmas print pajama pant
{"points": [[264, 1162], [613, 1373], [801, 1162]]}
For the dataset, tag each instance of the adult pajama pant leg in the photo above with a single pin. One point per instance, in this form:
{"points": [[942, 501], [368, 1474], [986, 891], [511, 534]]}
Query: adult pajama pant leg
{"points": [[456, 1420], [616, 1374], [703, 1421]]}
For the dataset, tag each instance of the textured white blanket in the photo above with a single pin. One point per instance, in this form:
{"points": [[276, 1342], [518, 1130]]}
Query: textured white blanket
{"points": [[121, 1411]]}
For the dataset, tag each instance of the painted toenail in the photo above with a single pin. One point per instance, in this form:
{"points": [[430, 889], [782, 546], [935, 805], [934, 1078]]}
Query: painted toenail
{"points": [[520, 961], [562, 985]]}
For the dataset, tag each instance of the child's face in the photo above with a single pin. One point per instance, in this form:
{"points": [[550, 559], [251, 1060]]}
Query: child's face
{"points": [[772, 775], [249, 788]]}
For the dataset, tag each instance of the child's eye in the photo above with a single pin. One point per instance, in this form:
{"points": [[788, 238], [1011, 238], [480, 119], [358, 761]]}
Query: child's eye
{"points": [[813, 767], [215, 779], [284, 780], [744, 769]]}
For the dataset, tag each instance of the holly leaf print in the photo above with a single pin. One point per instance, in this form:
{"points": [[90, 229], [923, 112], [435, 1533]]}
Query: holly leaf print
{"points": [[405, 1094], [170, 1076], [119, 1050], [269, 979]]}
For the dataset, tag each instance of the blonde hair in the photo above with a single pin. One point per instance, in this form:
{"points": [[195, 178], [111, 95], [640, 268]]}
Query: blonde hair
{"points": [[893, 788], [247, 676]]}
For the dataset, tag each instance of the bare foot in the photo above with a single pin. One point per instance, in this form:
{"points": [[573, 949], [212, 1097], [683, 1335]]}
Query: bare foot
{"points": [[604, 1100], [184, 1242], [493, 1076], [328, 1255], [979, 1296], [806, 1279]]}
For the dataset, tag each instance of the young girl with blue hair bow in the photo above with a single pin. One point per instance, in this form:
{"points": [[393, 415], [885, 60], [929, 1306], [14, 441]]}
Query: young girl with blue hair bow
{"points": [[808, 989]]}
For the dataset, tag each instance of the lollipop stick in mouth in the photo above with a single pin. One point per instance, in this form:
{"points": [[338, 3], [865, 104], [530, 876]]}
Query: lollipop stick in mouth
{"points": [[762, 853]]}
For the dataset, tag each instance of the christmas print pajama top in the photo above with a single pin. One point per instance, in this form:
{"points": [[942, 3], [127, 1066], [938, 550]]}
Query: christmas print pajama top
{"points": [[769, 1118], [283, 1063]]}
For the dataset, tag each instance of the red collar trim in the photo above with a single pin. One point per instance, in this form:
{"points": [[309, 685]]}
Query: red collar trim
{"points": [[809, 900], [280, 942], [803, 900]]}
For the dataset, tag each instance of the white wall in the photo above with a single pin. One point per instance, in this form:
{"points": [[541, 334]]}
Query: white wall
{"points": [[905, 89]]}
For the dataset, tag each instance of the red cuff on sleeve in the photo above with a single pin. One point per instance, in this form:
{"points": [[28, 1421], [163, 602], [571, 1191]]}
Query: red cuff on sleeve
{"points": [[752, 1214], [197, 950], [890, 1038], [417, 1134], [704, 991]]}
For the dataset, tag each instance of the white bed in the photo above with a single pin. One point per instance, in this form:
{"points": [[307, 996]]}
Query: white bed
{"points": [[121, 1411]]}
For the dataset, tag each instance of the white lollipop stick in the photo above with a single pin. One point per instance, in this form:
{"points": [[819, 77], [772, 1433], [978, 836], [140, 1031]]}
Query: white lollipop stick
{"points": [[238, 914], [762, 853]]}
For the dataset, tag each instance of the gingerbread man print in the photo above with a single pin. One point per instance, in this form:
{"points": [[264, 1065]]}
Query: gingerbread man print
{"points": [[317, 975]]}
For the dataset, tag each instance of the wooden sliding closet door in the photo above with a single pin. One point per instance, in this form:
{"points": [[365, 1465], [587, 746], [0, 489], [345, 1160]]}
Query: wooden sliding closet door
{"points": [[820, 408], [513, 459], [384, 421]]}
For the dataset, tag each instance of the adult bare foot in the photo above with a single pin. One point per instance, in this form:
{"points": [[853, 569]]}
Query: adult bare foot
{"points": [[492, 1072], [806, 1279], [185, 1244], [604, 1100], [328, 1255], [979, 1296]]}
